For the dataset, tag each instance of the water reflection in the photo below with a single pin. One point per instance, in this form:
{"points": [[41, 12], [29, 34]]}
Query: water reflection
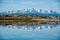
{"points": [[31, 27], [30, 32]]}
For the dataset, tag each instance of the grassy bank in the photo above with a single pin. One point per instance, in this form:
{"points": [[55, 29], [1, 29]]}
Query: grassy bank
{"points": [[22, 20]]}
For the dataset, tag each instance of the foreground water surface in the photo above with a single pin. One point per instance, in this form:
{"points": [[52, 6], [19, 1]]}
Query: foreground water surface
{"points": [[30, 32]]}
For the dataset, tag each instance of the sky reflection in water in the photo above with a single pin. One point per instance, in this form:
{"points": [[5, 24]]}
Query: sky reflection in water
{"points": [[30, 32]]}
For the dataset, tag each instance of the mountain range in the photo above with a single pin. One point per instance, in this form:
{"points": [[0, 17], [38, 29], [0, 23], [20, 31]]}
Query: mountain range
{"points": [[30, 12]]}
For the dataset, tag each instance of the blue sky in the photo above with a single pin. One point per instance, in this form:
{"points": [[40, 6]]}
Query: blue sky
{"points": [[39, 4]]}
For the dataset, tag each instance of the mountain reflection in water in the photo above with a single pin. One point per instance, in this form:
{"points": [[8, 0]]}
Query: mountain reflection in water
{"points": [[30, 32], [31, 27]]}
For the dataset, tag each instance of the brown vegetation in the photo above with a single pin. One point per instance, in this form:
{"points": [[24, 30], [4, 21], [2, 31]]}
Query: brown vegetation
{"points": [[22, 20]]}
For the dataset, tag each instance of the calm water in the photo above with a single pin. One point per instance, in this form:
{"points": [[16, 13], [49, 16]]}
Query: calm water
{"points": [[30, 32]]}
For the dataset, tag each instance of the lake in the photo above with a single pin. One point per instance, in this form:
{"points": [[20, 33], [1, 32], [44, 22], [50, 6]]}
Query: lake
{"points": [[30, 32]]}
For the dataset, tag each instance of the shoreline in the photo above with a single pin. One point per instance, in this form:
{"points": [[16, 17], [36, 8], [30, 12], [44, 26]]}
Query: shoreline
{"points": [[27, 20]]}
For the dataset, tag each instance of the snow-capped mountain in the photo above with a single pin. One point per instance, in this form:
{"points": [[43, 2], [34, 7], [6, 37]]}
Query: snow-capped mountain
{"points": [[31, 12]]}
